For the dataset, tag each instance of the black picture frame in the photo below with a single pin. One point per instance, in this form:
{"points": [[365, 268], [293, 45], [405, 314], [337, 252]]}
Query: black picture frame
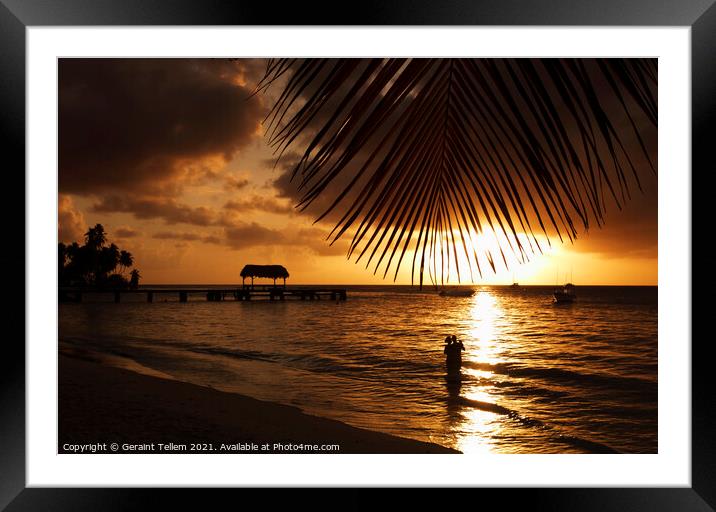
{"points": [[17, 15]]}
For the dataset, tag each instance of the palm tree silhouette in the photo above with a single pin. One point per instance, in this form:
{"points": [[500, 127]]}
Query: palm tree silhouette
{"points": [[94, 263], [424, 154], [125, 260], [96, 237], [134, 277]]}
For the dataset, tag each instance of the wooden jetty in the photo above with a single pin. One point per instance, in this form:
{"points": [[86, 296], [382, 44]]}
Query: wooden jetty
{"points": [[242, 293], [245, 292]]}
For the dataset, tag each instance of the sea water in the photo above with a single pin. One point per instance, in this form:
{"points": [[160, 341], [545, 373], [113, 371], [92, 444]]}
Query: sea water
{"points": [[536, 377]]}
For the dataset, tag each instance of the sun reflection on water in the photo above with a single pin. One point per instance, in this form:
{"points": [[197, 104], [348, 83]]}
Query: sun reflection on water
{"points": [[476, 432], [484, 317]]}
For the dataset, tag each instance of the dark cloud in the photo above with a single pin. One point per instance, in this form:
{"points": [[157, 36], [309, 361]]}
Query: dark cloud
{"points": [[187, 237], [252, 234], [285, 184], [288, 187], [315, 240], [232, 183], [211, 239], [150, 124], [241, 236], [247, 235], [258, 203], [127, 232], [171, 211]]}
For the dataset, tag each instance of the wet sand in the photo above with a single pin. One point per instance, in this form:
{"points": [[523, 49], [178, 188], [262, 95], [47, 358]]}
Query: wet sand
{"points": [[100, 405]]}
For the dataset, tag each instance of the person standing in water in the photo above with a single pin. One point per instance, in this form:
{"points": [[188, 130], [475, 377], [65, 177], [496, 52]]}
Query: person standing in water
{"points": [[459, 347], [448, 343], [453, 352]]}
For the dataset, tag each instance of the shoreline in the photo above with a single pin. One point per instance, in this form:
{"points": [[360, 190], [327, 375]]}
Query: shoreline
{"points": [[99, 405]]}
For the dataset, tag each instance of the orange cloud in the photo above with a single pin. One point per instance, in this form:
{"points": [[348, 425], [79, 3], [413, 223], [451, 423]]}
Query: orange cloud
{"points": [[71, 224]]}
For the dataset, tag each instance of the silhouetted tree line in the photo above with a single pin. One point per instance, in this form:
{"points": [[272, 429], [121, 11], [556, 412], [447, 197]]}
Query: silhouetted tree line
{"points": [[96, 264]]}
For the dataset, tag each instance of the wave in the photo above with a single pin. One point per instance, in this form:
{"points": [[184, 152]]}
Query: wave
{"points": [[498, 409], [564, 375], [357, 368], [575, 441], [584, 444]]}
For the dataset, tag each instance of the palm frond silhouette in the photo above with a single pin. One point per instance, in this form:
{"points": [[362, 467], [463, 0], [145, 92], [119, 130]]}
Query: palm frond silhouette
{"points": [[425, 153]]}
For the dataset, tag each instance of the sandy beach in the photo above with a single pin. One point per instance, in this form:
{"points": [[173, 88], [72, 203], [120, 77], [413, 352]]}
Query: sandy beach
{"points": [[100, 405]]}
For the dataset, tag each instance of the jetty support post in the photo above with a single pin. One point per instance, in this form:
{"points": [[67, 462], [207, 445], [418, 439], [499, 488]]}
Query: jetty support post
{"points": [[150, 296], [183, 296], [214, 296], [116, 297]]}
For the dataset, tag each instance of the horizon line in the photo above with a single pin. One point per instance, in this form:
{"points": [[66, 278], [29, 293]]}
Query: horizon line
{"points": [[391, 284]]}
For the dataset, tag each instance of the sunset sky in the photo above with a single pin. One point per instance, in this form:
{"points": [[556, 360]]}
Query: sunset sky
{"points": [[170, 156]]}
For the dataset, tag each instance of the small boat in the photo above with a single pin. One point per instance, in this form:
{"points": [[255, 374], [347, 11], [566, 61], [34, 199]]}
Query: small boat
{"points": [[455, 292], [515, 285], [565, 295]]}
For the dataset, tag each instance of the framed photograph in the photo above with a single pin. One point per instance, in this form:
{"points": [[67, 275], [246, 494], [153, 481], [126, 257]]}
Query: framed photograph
{"points": [[421, 247]]}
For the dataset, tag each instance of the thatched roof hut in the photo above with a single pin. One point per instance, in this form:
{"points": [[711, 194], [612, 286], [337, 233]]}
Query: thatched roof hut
{"points": [[264, 271]]}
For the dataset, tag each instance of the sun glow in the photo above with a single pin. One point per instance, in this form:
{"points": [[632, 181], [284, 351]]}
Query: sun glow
{"points": [[493, 258]]}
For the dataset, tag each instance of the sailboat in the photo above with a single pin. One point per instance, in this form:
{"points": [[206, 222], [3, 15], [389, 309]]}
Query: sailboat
{"points": [[565, 295], [515, 284], [457, 292]]}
